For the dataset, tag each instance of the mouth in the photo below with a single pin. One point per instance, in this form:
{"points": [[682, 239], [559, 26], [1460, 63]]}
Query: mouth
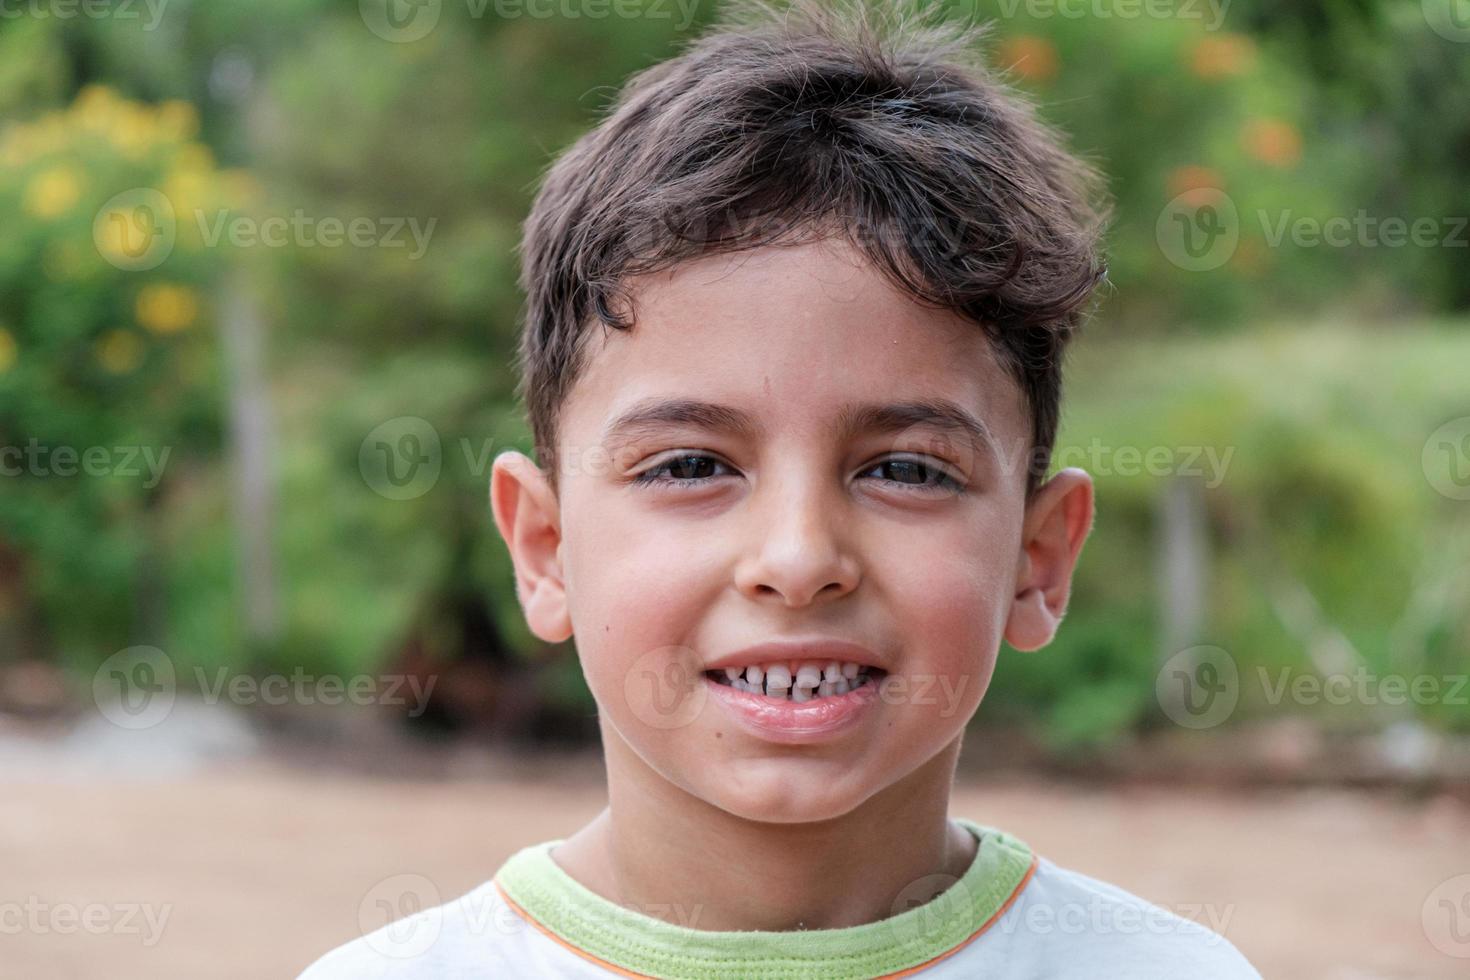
{"points": [[797, 681], [797, 702]]}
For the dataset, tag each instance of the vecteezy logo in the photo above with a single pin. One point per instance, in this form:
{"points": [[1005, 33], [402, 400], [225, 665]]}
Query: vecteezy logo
{"points": [[665, 687], [400, 21], [1446, 459], [135, 230], [1450, 19], [400, 916], [1199, 229], [401, 458], [1198, 687], [134, 688], [928, 908], [1446, 917]]}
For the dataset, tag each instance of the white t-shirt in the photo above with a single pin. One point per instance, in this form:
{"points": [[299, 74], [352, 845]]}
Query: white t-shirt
{"points": [[1010, 915]]}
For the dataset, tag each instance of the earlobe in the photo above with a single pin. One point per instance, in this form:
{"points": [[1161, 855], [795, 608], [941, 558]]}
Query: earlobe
{"points": [[1057, 523], [527, 516]]}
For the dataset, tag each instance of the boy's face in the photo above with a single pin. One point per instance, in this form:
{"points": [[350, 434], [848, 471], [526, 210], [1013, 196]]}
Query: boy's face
{"points": [[910, 539]]}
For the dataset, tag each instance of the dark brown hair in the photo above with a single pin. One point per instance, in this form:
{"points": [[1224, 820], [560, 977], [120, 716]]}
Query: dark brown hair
{"points": [[783, 125]]}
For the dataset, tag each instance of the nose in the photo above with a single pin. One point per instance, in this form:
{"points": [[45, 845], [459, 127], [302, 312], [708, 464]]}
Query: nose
{"points": [[800, 552]]}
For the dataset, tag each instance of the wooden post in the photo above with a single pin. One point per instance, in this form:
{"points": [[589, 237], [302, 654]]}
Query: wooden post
{"points": [[253, 450]]}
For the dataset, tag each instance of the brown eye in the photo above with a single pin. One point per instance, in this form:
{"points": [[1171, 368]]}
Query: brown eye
{"points": [[907, 471], [685, 468], [917, 473]]}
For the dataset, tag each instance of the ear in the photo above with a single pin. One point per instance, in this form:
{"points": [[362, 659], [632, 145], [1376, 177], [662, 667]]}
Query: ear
{"points": [[1057, 522], [529, 518]]}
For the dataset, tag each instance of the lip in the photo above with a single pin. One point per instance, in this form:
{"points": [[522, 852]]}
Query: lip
{"points": [[821, 649], [791, 722]]}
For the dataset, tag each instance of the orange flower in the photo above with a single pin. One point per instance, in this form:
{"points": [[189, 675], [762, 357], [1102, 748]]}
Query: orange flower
{"points": [[1221, 55], [1032, 58], [1198, 182], [1249, 258], [1273, 142]]}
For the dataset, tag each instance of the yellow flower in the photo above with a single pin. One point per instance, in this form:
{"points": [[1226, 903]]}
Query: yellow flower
{"points": [[189, 190], [166, 308], [48, 134], [178, 120], [133, 130], [12, 149], [52, 192], [94, 107], [20, 142], [119, 351], [7, 350], [194, 156]]}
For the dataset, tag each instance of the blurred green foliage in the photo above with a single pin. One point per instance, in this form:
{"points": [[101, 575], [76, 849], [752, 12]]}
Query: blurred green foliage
{"points": [[1314, 110], [1306, 444], [105, 365]]}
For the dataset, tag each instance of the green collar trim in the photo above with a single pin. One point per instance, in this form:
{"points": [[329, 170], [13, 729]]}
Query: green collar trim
{"points": [[642, 945]]}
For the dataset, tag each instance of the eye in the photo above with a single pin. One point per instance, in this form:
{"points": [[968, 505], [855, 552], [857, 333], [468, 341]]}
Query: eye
{"points": [[686, 469], [919, 473]]}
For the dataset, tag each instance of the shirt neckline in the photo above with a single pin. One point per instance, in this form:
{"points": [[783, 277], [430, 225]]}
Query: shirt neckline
{"points": [[633, 944]]}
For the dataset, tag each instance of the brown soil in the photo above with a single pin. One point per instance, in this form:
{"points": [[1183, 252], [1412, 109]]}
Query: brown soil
{"points": [[263, 866]]}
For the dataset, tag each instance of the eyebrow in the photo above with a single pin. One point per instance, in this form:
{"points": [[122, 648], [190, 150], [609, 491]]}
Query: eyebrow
{"points": [[651, 415]]}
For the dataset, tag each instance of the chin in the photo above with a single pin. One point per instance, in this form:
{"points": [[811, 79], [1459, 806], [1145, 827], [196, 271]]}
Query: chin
{"points": [[779, 795]]}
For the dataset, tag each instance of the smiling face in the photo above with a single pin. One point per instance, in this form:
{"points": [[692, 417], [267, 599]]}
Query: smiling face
{"points": [[786, 447]]}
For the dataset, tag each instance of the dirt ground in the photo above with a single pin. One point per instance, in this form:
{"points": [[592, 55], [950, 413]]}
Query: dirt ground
{"points": [[261, 867]]}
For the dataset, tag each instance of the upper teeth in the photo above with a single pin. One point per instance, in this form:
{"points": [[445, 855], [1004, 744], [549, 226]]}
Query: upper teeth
{"points": [[810, 678]]}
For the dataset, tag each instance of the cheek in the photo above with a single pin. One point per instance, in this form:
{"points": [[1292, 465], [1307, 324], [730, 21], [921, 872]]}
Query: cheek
{"points": [[954, 607], [635, 597]]}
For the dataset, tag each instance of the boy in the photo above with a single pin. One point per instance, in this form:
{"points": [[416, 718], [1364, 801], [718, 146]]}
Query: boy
{"points": [[792, 353]]}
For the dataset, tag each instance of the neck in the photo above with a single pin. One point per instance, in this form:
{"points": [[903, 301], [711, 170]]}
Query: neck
{"points": [[661, 851]]}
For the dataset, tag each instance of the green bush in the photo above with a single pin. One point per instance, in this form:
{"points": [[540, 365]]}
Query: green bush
{"points": [[109, 378], [1324, 490]]}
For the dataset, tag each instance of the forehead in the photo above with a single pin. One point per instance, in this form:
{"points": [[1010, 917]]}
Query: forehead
{"points": [[792, 335]]}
